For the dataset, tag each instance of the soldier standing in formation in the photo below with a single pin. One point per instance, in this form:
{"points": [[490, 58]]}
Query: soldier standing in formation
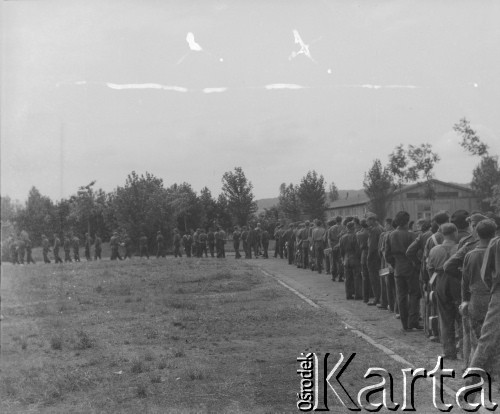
{"points": [[177, 243], [160, 248], [187, 240], [57, 245], [45, 249], [67, 249], [203, 243], [318, 240], [76, 248], [114, 243], [264, 239], [127, 243], [29, 246]]}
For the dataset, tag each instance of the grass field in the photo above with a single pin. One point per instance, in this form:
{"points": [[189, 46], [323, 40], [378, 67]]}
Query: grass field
{"points": [[159, 335]]}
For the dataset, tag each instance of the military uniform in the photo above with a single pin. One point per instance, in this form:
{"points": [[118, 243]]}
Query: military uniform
{"points": [[277, 241], [57, 245], [160, 245], [318, 240], [13, 251], [362, 237], [177, 244], [203, 243], [373, 261], [244, 239], [21, 250], [114, 243], [76, 248], [406, 278], [448, 295], [67, 250], [487, 347], [336, 268], [236, 243], [351, 254], [29, 256], [127, 243], [187, 241], [196, 244], [45, 249]]}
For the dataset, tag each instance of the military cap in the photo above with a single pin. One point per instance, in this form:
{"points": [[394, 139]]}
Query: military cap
{"points": [[441, 217], [476, 218], [459, 218], [371, 216]]}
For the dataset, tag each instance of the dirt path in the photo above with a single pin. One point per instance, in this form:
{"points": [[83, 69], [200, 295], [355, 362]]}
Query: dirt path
{"points": [[379, 326]]}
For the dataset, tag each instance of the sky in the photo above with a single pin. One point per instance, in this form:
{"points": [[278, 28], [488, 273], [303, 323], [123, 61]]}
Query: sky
{"points": [[92, 90]]}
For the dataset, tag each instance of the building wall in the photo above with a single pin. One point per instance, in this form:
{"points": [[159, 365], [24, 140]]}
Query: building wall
{"points": [[358, 210]]}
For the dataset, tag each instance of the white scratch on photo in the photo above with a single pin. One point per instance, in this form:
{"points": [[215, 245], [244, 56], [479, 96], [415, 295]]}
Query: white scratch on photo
{"points": [[284, 86]]}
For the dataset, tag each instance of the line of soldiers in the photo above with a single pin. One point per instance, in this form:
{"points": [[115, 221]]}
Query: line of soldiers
{"points": [[70, 243], [436, 272]]}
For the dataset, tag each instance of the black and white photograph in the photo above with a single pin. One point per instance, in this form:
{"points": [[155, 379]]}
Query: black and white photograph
{"points": [[235, 206]]}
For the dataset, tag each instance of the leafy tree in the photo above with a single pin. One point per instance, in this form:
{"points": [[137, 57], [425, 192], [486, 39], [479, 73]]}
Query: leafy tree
{"points": [[209, 207], [141, 205], [486, 176], [38, 216], [185, 205], [312, 195], [223, 218], [333, 192], [378, 184], [9, 209], [238, 193], [470, 139], [289, 202], [413, 164]]}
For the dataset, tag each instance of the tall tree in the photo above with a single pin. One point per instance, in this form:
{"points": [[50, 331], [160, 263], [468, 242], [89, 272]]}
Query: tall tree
{"points": [[289, 202], [238, 193], [141, 205], [38, 216], [209, 206], [378, 185], [223, 218], [333, 192], [312, 195], [486, 175], [412, 165], [186, 207]]}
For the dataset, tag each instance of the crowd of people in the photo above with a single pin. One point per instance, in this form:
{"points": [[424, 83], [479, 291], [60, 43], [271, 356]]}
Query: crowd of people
{"points": [[440, 276]]}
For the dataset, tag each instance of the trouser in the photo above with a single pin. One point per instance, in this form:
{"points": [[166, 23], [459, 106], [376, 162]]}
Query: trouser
{"points": [[282, 248], [318, 253], [143, 251], [67, 256], [56, 256], [336, 265], [160, 251], [87, 253], [291, 253], [177, 251], [487, 349], [46, 256], [187, 250], [128, 253], [97, 253], [13, 257], [373, 265], [365, 276], [408, 293], [349, 276], [29, 257], [76, 255], [265, 247], [211, 247], [305, 255], [115, 254], [448, 299], [391, 297], [203, 249], [277, 248], [20, 256], [255, 247], [236, 246]]}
